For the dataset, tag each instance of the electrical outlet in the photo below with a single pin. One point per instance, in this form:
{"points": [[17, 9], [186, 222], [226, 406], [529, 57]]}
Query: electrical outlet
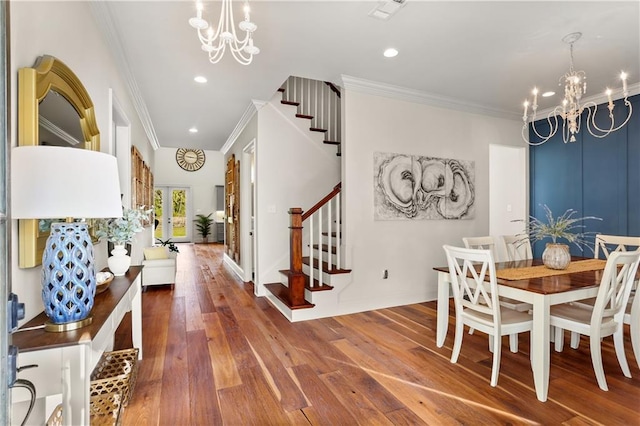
{"points": [[385, 274]]}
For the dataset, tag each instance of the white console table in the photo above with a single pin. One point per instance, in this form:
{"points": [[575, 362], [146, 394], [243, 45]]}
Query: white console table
{"points": [[65, 360]]}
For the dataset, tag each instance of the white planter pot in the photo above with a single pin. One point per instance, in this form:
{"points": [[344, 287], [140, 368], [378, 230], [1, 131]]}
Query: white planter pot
{"points": [[119, 262], [556, 256]]}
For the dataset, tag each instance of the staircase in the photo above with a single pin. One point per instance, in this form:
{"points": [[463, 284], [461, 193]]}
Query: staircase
{"points": [[316, 273], [318, 102]]}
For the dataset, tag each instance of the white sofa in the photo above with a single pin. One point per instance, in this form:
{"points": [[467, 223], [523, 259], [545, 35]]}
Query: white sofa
{"points": [[158, 270]]}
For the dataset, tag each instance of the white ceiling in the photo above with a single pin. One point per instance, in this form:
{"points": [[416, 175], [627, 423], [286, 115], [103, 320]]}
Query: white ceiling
{"points": [[478, 52]]}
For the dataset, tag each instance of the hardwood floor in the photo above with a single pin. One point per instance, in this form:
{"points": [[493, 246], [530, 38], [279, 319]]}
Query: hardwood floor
{"points": [[215, 354]]}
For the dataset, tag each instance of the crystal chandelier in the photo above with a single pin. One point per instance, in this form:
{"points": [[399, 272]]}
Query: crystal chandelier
{"points": [[215, 42], [570, 111]]}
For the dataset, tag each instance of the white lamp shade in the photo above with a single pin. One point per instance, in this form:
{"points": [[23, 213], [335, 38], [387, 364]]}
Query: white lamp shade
{"points": [[59, 182]]}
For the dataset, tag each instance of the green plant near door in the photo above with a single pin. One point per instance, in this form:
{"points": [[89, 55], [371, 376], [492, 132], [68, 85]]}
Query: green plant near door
{"points": [[203, 223]]}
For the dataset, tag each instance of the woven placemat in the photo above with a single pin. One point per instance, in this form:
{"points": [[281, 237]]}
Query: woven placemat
{"points": [[512, 274]]}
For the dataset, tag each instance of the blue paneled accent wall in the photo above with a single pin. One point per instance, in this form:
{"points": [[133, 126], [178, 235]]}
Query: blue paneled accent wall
{"points": [[595, 176]]}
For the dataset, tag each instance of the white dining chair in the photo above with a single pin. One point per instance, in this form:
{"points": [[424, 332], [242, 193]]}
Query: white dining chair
{"points": [[475, 294], [606, 317], [489, 243], [607, 244], [632, 317], [482, 243], [518, 247]]}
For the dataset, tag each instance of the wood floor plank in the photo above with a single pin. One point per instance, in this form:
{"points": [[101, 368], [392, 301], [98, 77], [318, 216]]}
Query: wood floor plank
{"points": [[251, 403], [202, 291], [327, 409], [203, 402], [156, 327], [402, 388], [222, 362], [144, 407], [208, 340], [174, 406], [288, 393], [353, 400], [404, 417]]}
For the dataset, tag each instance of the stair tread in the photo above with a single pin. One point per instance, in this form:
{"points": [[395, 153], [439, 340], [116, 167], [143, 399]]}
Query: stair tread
{"points": [[317, 287], [290, 103], [309, 117], [317, 129], [333, 234], [281, 291], [325, 248], [325, 266], [331, 142]]}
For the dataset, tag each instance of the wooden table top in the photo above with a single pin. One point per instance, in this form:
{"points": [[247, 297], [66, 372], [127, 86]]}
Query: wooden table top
{"points": [[546, 285], [104, 304]]}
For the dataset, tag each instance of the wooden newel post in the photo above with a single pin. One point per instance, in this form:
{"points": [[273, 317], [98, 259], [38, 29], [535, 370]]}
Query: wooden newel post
{"points": [[296, 277]]}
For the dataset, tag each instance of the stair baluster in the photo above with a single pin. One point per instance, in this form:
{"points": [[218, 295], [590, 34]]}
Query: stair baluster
{"points": [[318, 100]]}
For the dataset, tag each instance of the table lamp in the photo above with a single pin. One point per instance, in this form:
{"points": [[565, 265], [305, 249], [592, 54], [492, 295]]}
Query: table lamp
{"points": [[60, 182]]}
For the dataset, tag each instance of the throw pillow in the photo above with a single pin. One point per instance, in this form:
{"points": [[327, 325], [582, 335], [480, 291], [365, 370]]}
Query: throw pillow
{"points": [[155, 253]]}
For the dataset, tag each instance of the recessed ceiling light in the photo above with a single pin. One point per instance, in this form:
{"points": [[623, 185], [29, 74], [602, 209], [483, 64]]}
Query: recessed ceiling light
{"points": [[390, 53], [547, 94], [200, 79], [193, 130]]}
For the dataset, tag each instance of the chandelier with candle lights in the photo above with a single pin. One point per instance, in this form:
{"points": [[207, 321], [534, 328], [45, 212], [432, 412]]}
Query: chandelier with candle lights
{"points": [[571, 109], [216, 40]]}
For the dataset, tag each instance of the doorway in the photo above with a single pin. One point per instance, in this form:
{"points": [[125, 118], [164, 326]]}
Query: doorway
{"points": [[172, 207], [248, 212], [5, 228]]}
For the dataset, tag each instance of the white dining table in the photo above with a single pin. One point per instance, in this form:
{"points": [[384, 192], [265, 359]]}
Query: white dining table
{"points": [[542, 293]]}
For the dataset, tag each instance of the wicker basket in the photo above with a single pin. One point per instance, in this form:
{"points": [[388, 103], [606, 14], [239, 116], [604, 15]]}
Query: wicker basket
{"points": [[105, 409], [55, 419], [116, 372]]}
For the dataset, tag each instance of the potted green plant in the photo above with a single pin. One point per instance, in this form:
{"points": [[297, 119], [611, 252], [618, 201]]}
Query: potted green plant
{"points": [[169, 244], [203, 223], [565, 227], [121, 231]]}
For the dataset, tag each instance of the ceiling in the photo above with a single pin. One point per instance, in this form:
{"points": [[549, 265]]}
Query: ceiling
{"points": [[482, 53]]}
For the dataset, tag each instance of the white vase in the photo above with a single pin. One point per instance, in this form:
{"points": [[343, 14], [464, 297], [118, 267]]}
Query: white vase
{"points": [[119, 262], [556, 256]]}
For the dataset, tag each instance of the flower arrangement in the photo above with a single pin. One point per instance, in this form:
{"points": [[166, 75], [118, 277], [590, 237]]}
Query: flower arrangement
{"points": [[121, 230], [564, 227]]}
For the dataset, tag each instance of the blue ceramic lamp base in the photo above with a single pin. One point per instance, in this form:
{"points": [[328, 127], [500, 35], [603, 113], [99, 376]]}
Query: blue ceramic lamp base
{"points": [[68, 277]]}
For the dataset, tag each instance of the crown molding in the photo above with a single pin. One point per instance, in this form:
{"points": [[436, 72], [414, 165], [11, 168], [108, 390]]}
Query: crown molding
{"points": [[104, 19], [601, 98], [416, 96], [251, 110], [58, 131]]}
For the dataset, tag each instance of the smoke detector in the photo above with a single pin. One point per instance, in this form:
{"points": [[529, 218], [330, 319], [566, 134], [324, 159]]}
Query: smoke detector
{"points": [[386, 9]]}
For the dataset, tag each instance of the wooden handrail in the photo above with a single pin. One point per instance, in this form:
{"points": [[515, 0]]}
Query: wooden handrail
{"points": [[333, 88], [319, 204]]}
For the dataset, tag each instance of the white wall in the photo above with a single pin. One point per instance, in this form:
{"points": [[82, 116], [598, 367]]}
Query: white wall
{"points": [[407, 249], [67, 31], [248, 134], [294, 169], [202, 182], [508, 192]]}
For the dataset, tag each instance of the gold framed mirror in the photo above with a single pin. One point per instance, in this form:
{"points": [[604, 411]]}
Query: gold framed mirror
{"points": [[48, 77]]}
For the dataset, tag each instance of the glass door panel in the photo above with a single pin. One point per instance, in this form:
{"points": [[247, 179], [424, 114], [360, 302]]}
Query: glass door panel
{"points": [[158, 198], [172, 207], [179, 213]]}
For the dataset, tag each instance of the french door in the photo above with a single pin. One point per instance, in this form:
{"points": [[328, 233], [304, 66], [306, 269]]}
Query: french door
{"points": [[173, 209]]}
